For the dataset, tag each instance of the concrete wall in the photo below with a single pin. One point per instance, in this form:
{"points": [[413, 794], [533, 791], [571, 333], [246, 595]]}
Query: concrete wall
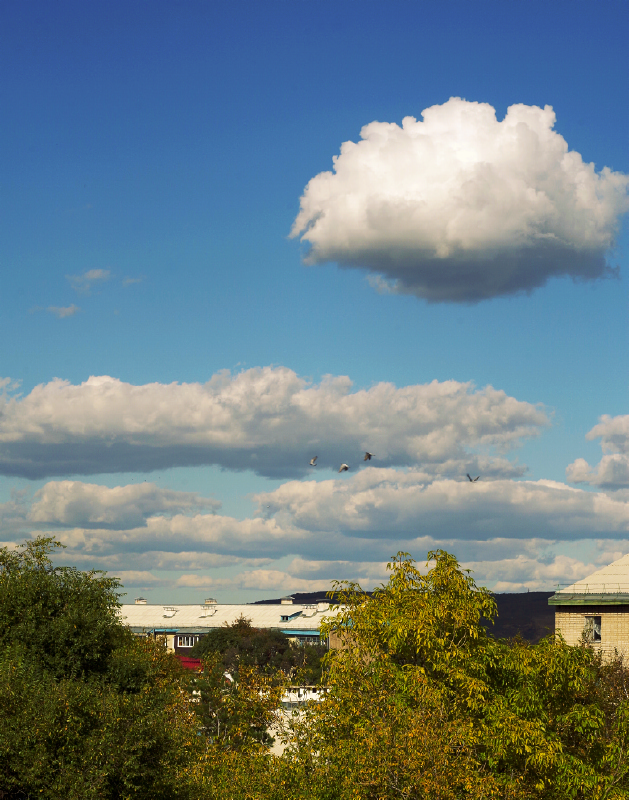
{"points": [[570, 622], [339, 641]]}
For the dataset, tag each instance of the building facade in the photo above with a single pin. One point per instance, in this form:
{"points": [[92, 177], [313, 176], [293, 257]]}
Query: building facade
{"points": [[596, 609]]}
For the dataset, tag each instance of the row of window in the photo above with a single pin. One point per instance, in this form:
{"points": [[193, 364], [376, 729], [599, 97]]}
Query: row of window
{"points": [[186, 641], [190, 641]]}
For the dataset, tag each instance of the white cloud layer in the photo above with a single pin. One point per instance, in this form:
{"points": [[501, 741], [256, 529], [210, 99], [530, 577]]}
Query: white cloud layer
{"points": [[612, 471], [366, 518], [261, 579], [268, 420], [308, 533], [460, 207], [516, 574], [363, 519], [388, 504]]}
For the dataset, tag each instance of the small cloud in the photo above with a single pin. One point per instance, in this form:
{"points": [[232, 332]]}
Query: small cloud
{"points": [[83, 283], [134, 577], [62, 312], [89, 505], [130, 281], [612, 471]]}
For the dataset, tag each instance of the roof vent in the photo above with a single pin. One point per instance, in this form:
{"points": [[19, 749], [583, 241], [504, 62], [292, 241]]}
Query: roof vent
{"points": [[286, 601], [169, 611], [209, 601], [140, 601]]}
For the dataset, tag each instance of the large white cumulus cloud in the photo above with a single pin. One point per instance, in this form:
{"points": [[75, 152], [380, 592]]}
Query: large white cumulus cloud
{"points": [[268, 420], [460, 207]]}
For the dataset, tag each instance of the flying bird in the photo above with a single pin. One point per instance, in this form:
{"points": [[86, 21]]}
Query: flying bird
{"points": [[473, 480], [313, 461], [343, 468], [368, 457]]}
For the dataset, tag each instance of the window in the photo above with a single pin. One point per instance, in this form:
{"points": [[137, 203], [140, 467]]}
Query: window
{"points": [[186, 641], [592, 629], [287, 617], [309, 639]]}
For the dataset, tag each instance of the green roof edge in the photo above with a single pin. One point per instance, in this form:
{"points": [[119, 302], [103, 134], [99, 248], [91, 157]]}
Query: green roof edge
{"points": [[589, 599]]}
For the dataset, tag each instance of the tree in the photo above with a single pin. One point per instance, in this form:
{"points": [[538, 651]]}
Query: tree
{"points": [[422, 702], [425, 703], [63, 618], [236, 713], [87, 710], [272, 652]]}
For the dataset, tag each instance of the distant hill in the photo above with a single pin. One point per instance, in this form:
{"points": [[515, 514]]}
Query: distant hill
{"points": [[299, 598], [524, 613]]}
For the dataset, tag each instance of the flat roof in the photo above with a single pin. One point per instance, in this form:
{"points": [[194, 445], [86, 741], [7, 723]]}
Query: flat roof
{"points": [[200, 618]]}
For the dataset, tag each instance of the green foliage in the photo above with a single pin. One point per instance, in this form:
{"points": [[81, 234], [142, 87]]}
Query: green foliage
{"points": [[86, 709], [86, 739], [63, 617], [558, 716], [241, 645], [423, 703], [421, 689], [235, 714]]}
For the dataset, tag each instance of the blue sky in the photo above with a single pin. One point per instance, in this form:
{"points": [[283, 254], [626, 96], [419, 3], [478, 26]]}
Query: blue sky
{"points": [[155, 155]]}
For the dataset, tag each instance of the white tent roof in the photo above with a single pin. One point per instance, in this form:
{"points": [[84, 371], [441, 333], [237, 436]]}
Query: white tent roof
{"points": [[147, 617]]}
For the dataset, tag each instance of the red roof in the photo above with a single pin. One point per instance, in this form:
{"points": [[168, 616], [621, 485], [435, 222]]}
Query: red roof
{"points": [[190, 663]]}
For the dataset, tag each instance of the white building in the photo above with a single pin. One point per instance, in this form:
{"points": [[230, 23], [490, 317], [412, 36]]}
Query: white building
{"points": [[183, 625]]}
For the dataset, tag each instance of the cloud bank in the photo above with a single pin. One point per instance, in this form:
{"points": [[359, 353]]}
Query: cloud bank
{"points": [[612, 471], [268, 420], [505, 530], [387, 503], [461, 207]]}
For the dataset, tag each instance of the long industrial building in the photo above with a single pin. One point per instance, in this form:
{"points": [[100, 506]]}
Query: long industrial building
{"points": [[183, 625]]}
